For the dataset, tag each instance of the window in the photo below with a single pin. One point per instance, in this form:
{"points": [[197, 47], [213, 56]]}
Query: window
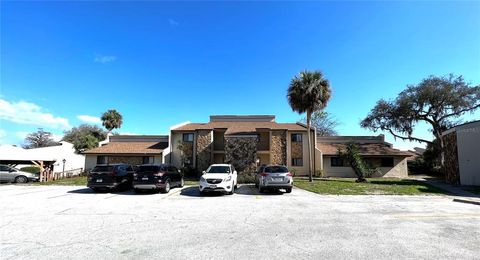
{"points": [[102, 160], [188, 137], [386, 162], [297, 162], [4, 168], [276, 169], [296, 137], [336, 162], [147, 159]]}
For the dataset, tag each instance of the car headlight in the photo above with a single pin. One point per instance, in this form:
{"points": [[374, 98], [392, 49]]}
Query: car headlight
{"points": [[229, 178], [202, 179]]}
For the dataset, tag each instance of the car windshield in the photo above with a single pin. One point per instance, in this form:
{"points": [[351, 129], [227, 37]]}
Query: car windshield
{"points": [[218, 169], [276, 169], [103, 169], [148, 169]]}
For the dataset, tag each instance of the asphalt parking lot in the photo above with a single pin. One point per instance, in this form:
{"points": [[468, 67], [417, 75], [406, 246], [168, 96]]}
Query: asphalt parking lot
{"points": [[45, 222]]}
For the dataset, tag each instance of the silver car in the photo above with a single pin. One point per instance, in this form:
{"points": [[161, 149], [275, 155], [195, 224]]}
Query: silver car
{"points": [[10, 174], [274, 177]]}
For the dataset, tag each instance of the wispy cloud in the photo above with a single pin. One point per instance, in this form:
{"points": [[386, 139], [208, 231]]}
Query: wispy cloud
{"points": [[30, 114], [89, 119], [105, 58], [128, 133], [172, 22]]}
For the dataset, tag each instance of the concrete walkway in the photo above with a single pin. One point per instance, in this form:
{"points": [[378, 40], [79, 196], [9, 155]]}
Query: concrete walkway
{"points": [[457, 192]]}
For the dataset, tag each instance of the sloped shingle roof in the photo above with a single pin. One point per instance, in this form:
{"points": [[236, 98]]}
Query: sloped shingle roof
{"points": [[129, 148], [371, 149]]}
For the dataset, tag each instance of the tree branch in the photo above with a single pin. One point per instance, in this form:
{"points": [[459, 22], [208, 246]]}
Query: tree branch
{"points": [[460, 112], [410, 138]]}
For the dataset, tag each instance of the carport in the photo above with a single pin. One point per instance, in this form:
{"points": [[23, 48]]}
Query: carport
{"points": [[13, 156]]}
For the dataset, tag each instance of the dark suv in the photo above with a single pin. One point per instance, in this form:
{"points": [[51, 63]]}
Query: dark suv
{"points": [[160, 177], [111, 176]]}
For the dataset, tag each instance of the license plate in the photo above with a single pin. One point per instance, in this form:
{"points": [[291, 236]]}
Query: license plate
{"points": [[99, 180], [213, 186], [278, 179], [145, 179]]}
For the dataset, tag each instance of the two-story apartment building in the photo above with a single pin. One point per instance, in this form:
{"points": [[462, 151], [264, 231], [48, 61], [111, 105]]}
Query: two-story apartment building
{"points": [[245, 141]]}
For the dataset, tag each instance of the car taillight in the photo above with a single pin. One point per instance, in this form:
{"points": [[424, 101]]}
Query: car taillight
{"points": [[264, 174], [158, 174], [290, 174]]}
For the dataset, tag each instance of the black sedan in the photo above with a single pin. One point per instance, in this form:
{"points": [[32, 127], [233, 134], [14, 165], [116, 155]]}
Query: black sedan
{"points": [[158, 177]]}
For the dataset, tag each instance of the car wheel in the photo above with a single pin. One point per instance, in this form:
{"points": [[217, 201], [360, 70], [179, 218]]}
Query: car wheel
{"points": [[256, 184], [137, 190], [182, 183], [21, 179], [261, 189], [167, 187], [288, 190], [94, 189]]}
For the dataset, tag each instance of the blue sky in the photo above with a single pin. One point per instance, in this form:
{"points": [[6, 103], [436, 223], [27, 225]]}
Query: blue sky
{"points": [[163, 63]]}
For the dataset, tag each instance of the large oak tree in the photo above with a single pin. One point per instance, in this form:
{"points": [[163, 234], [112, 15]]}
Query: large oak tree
{"points": [[437, 101]]}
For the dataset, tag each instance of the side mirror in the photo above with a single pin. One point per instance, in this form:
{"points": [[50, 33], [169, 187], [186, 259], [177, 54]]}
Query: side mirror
{"points": [[234, 172], [12, 170], [204, 172]]}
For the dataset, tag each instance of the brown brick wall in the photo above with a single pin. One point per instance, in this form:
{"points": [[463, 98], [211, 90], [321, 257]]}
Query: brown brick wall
{"points": [[451, 170], [204, 149], [279, 147]]}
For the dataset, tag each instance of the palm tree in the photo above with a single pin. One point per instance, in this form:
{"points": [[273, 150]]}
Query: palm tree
{"points": [[309, 92], [111, 119]]}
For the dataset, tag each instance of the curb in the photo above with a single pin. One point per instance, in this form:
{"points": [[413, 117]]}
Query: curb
{"points": [[467, 201]]}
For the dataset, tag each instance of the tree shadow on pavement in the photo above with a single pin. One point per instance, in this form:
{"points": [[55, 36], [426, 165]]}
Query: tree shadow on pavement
{"points": [[194, 192], [250, 189]]}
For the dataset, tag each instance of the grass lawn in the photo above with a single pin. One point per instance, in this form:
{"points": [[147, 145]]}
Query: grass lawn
{"points": [[375, 186], [191, 182], [74, 181]]}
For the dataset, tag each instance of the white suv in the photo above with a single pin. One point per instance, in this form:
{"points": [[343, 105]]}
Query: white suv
{"points": [[219, 177]]}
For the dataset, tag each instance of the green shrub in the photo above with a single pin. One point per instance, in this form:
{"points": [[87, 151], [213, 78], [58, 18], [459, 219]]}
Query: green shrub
{"points": [[245, 178], [318, 173], [31, 169]]}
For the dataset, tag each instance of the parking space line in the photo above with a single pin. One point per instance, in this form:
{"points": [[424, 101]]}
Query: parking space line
{"points": [[59, 196]]}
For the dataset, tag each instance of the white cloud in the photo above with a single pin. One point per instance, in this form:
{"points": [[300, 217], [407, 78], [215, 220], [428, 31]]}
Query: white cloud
{"points": [[105, 58], [21, 134], [30, 114], [172, 22], [56, 137], [89, 119]]}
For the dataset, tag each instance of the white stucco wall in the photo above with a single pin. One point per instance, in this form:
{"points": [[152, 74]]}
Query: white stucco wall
{"points": [[61, 152], [468, 145]]}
